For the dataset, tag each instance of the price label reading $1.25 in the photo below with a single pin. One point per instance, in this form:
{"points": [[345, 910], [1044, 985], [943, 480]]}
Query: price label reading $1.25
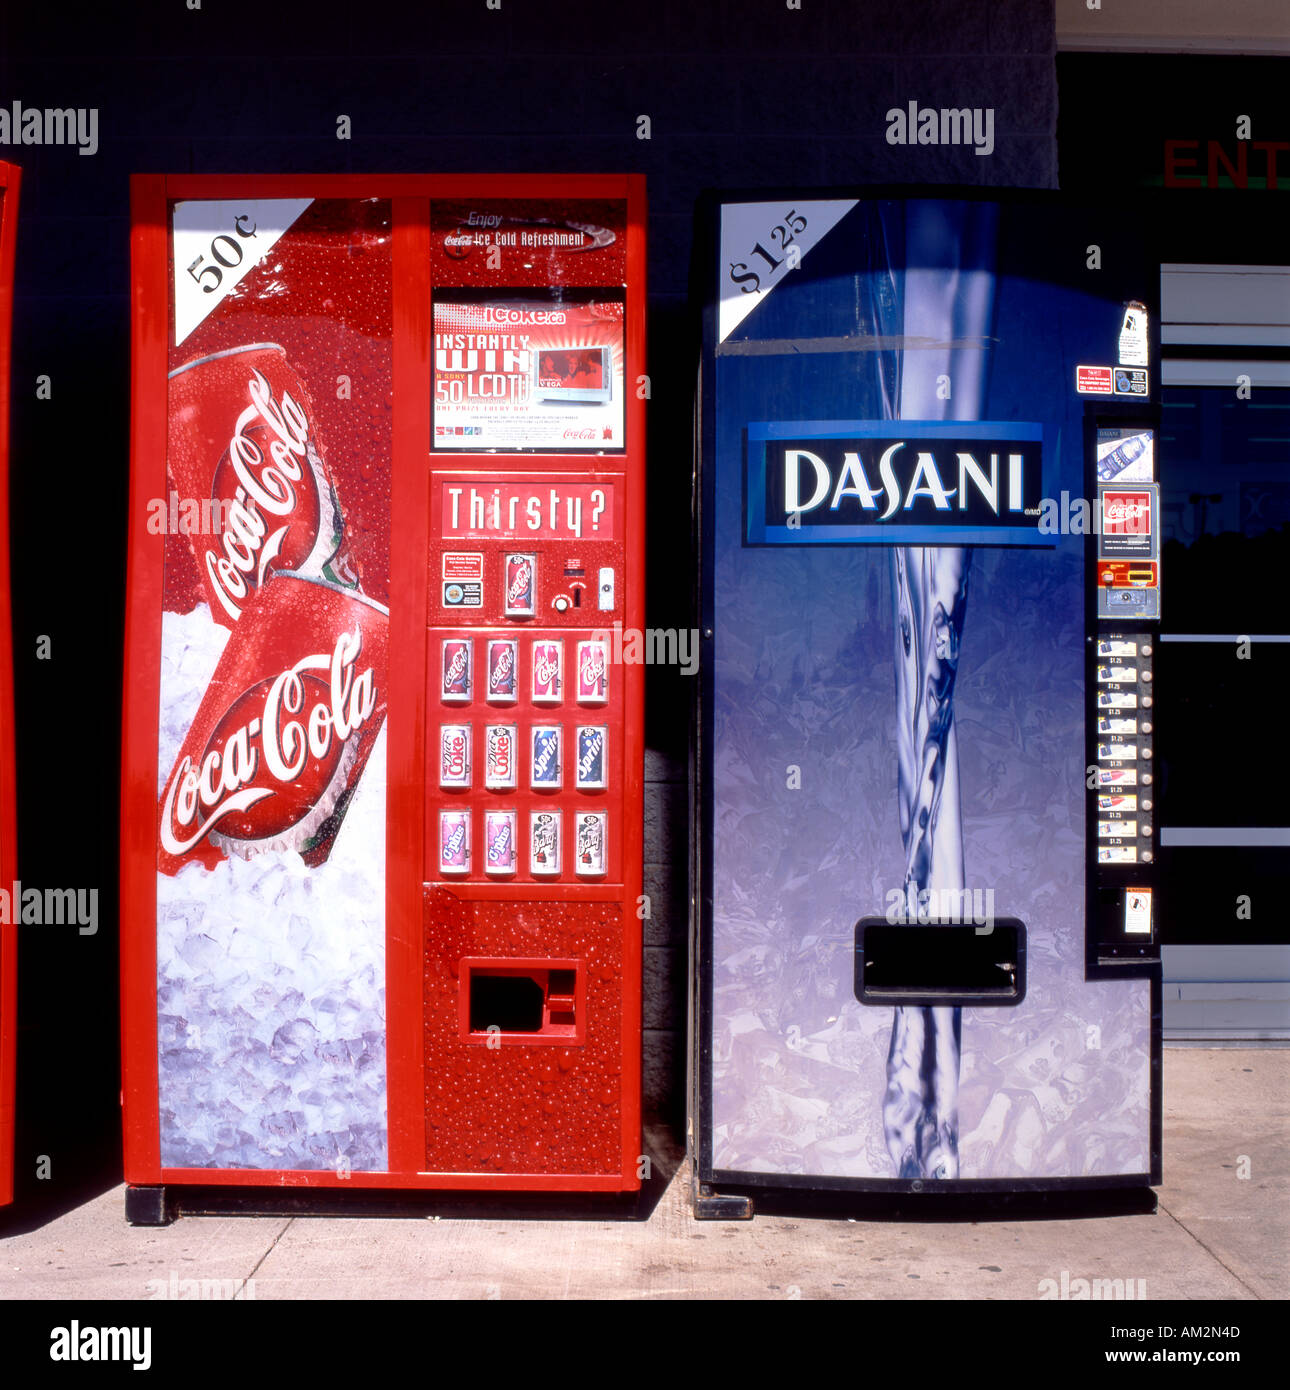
{"points": [[771, 254]]}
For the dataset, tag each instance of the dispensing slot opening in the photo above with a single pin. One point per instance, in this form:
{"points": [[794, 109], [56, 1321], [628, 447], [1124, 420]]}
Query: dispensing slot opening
{"points": [[509, 1000], [933, 964], [508, 1003]]}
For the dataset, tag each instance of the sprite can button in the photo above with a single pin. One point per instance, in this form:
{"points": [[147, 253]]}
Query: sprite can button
{"points": [[590, 768]]}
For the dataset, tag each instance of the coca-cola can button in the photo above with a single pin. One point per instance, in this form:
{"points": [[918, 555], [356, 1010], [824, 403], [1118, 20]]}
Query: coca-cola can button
{"points": [[521, 586], [548, 672]]}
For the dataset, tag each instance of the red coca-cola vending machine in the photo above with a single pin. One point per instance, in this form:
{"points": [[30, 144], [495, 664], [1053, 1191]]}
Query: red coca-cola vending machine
{"points": [[10, 176], [382, 796]]}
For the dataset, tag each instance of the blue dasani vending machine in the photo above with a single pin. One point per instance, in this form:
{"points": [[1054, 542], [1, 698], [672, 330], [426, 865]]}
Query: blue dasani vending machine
{"points": [[925, 952]]}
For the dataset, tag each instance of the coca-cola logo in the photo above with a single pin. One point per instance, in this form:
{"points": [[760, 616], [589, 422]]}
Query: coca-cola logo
{"points": [[579, 434], [266, 458], [499, 753], [455, 670], [519, 587], [1128, 513], [454, 753], [275, 753], [546, 668], [593, 667], [499, 677], [505, 313]]}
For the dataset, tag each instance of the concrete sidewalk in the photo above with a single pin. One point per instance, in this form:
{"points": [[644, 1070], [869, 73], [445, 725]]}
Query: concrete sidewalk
{"points": [[1217, 1234]]}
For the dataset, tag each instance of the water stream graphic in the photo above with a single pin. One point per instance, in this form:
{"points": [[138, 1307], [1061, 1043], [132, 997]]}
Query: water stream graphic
{"points": [[947, 304]]}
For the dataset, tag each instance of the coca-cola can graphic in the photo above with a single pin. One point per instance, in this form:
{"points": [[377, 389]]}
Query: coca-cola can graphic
{"points": [[544, 770], [544, 842], [499, 842], [501, 756], [454, 842], [590, 769], [454, 755], [284, 729], [548, 672], [593, 673], [521, 586], [457, 685], [592, 839], [503, 668], [242, 444]]}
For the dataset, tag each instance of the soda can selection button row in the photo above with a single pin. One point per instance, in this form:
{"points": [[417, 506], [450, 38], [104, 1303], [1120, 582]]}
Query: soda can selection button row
{"points": [[546, 761], [501, 850], [591, 684], [591, 674], [457, 682], [501, 757]]}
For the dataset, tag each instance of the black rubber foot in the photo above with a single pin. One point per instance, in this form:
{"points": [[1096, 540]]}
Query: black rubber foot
{"points": [[147, 1206], [713, 1206]]}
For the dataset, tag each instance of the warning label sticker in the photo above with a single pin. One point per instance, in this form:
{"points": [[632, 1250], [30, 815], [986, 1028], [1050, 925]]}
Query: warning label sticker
{"points": [[462, 565], [1131, 381], [1094, 381]]}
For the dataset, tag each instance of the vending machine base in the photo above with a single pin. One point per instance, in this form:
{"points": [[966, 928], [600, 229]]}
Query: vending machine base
{"points": [[162, 1206], [929, 1202]]}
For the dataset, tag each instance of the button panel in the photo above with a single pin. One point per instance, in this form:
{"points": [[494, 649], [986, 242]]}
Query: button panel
{"points": [[1123, 776]]}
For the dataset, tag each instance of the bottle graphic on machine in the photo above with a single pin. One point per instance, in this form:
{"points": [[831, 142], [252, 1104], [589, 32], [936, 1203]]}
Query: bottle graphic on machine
{"points": [[1121, 457]]}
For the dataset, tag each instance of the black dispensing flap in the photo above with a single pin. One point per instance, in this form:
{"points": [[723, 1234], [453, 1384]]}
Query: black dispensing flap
{"points": [[932, 964]]}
